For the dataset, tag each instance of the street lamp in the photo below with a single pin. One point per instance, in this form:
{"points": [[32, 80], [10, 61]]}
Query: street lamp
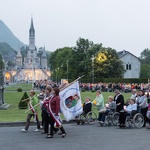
{"points": [[57, 79], [92, 68], [33, 70], [67, 69]]}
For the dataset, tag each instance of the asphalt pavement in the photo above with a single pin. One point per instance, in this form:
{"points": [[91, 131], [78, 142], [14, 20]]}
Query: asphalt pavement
{"points": [[79, 137]]}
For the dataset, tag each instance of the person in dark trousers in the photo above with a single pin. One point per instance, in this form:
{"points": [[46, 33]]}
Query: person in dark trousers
{"points": [[119, 99], [142, 104], [33, 112], [87, 107], [45, 115], [54, 109]]}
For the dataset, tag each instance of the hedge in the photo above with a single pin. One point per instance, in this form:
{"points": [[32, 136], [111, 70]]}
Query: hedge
{"points": [[113, 80]]}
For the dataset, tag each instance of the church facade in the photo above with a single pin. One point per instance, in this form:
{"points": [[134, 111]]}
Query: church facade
{"points": [[32, 66]]}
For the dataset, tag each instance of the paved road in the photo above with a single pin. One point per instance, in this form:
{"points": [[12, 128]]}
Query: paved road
{"points": [[79, 137]]}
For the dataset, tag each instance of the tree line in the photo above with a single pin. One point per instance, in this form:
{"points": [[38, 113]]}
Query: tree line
{"points": [[72, 62], [76, 61], [86, 58]]}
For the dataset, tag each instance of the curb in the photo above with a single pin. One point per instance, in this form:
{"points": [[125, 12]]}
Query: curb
{"points": [[15, 124]]}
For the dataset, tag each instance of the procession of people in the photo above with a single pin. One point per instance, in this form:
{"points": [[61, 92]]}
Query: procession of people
{"points": [[50, 110], [49, 100]]}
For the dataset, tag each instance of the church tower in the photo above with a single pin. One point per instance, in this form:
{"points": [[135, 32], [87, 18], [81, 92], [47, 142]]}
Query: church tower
{"points": [[32, 58], [44, 59], [19, 59], [32, 48], [32, 35]]}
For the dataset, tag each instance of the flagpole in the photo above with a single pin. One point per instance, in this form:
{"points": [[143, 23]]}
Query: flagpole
{"points": [[71, 83], [60, 90]]}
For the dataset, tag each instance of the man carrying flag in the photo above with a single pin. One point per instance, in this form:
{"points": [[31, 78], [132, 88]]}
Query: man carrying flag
{"points": [[33, 100], [71, 104]]}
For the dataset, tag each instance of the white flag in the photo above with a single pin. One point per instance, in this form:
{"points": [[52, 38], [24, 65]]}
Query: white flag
{"points": [[70, 101]]}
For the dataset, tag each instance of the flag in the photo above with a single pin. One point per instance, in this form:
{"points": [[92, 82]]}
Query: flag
{"points": [[70, 101]]}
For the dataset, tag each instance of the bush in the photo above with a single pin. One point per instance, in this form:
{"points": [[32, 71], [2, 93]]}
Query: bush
{"points": [[83, 89], [23, 105], [19, 90], [115, 80], [93, 89]]}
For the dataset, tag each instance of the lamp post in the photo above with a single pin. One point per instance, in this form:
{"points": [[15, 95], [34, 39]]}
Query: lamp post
{"points": [[56, 74], [57, 79], [5, 65], [67, 69], [92, 68], [33, 70]]}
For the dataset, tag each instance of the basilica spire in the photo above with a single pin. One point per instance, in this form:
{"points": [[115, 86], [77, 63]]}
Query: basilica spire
{"points": [[32, 31], [32, 35]]}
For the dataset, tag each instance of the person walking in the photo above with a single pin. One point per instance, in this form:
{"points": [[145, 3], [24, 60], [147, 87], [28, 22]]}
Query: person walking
{"points": [[54, 109], [33, 100], [44, 105]]}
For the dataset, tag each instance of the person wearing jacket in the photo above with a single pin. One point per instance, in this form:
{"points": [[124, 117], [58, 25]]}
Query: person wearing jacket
{"points": [[142, 104], [119, 99], [44, 106], [127, 112], [110, 106], [33, 100], [54, 109], [148, 116], [99, 103]]}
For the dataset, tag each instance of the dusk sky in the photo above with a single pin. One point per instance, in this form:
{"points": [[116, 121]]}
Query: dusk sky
{"points": [[119, 24]]}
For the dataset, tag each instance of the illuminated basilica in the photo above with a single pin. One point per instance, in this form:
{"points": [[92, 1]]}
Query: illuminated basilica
{"points": [[33, 66]]}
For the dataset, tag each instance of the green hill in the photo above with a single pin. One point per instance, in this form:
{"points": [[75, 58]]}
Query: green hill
{"points": [[7, 52], [6, 36]]}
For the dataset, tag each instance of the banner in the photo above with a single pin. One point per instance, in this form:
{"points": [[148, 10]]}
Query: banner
{"points": [[70, 101]]}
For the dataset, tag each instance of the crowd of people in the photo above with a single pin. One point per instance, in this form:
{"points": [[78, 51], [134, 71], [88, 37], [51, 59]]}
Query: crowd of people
{"points": [[111, 87], [50, 106], [137, 103]]}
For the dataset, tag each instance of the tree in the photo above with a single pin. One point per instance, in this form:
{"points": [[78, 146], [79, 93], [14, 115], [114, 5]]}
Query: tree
{"points": [[145, 56], [23, 105], [1, 63], [10, 64], [58, 62], [145, 63], [107, 64], [82, 54], [145, 71]]}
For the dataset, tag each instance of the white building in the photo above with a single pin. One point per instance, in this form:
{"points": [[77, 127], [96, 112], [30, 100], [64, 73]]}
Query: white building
{"points": [[33, 66], [131, 63]]}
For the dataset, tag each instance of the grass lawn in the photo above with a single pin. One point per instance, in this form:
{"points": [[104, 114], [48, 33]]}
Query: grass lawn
{"points": [[13, 114], [24, 86]]}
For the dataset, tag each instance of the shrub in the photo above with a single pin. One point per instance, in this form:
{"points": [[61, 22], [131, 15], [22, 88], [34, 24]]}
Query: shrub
{"points": [[93, 89], [23, 105], [83, 89], [19, 90]]}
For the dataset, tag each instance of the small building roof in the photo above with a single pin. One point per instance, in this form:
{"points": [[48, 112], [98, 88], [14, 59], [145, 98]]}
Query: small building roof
{"points": [[124, 52]]}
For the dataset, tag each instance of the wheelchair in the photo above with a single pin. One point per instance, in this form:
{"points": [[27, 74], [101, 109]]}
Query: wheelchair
{"points": [[90, 118], [136, 120], [111, 119]]}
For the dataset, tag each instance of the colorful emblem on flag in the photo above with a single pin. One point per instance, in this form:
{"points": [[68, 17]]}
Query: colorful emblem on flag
{"points": [[71, 101]]}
